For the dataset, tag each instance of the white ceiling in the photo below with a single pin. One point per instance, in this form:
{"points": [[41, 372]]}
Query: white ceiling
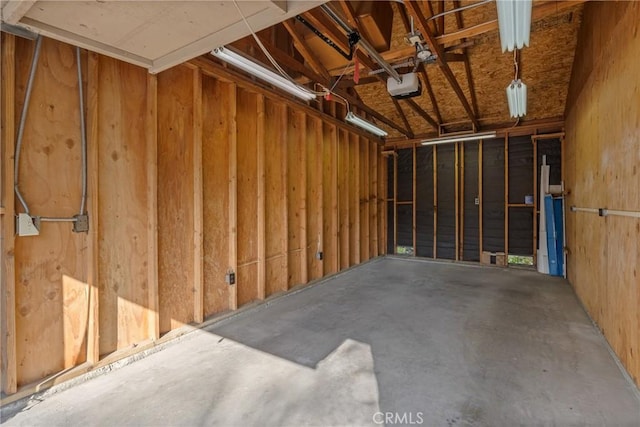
{"points": [[155, 34]]}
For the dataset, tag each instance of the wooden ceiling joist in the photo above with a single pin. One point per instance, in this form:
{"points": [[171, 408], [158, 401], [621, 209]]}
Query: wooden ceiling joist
{"points": [[403, 117], [434, 104], [422, 24], [467, 65], [538, 12], [302, 47]]}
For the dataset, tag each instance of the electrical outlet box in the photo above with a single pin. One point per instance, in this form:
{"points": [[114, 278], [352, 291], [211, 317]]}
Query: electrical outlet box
{"points": [[81, 224], [26, 225], [319, 255], [230, 278], [477, 201]]}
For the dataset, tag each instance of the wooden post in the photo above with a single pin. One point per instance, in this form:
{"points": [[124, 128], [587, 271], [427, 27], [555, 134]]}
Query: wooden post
{"points": [[395, 204], [261, 218], [373, 162], [233, 195], [506, 195], [480, 213], [7, 265], [93, 282], [456, 184], [284, 131], [302, 183], [335, 200], [354, 142], [435, 202], [198, 221], [534, 141], [413, 198], [320, 194], [461, 162], [152, 204]]}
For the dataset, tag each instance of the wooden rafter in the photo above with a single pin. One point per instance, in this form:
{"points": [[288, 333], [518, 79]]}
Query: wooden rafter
{"points": [[439, 51], [302, 47], [538, 12], [289, 62], [324, 24], [440, 19], [467, 66], [423, 70], [352, 18], [402, 116]]}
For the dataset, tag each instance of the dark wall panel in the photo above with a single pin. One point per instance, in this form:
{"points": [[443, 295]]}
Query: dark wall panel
{"points": [[390, 220], [446, 230], [520, 168], [405, 225], [424, 202], [521, 231], [471, 243], [493, 195], [405, 175]]}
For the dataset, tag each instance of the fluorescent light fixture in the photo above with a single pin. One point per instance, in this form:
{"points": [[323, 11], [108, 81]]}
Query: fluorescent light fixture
{"points": [[517, 98], [459, 138], [261, 72], [368, 126], [514, 21]]}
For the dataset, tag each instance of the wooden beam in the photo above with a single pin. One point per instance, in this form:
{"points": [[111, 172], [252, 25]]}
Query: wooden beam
{"points": [[233, 195], [198, 218], [93, 247], [461, 163], [438, 50], [402, 116], [261, 195], [284, 137], [538, 12], [302, 209], [151, 132], [14, 10], [432, 96], [422, 113], [467, 65], [304, 49], [506, 194], [414, 204], [456, 185], [440, 19], [435, 201], [7, 242], [216, 70], [349, 12], [480, 212]]}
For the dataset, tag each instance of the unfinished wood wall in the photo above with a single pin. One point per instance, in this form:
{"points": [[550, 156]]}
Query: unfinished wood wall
{"points": [[603, 171], [192, 174]]}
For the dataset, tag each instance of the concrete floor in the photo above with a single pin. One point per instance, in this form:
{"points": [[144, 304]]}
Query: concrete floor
{"points": [[395, 340]]}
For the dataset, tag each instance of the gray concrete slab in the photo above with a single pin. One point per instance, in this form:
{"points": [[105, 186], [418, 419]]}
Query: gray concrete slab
{"points": [[395, 341]]}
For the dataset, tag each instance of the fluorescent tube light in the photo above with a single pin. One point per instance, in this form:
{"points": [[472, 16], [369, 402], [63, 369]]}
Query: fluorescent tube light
{"points": [[369, 127], [514, 21], [261, 72], [517, 98], [459, 138]]}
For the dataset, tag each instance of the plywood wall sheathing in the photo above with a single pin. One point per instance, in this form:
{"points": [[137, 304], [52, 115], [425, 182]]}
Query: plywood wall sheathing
{"points": [[176, 202], [602, 166], [192, 175]]}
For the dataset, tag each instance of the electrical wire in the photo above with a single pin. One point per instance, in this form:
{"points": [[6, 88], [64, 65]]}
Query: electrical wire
{"points": [[469, 6], [23, 119], [270, 58], [83, 135]]}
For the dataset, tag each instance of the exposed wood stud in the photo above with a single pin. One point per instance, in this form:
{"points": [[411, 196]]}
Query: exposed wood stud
{"points": [[7, 267], [198, 250], [261, 238], [93, 279], [435, 201], [506, 194], [535, 201], [302, 183], [233, 195], [151, 132], [457, 192], [395, 204], [414, 203], [284, 128], [480, 194], [462, 186]]}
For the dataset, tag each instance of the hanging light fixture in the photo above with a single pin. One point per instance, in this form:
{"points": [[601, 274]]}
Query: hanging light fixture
{"points": [[362, 123], [517, 98], [263, 73], [459, 138], [514, 21]]}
